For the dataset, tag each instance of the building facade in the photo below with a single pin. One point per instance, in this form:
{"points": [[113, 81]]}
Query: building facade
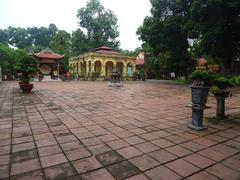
{"points": [[102, 60], [48, 64]]}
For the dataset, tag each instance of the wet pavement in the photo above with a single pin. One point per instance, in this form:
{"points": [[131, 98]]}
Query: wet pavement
{"points": [[87, 130]]}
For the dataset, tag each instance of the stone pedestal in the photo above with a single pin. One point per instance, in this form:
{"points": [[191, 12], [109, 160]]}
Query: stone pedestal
{"points": [[220, 106], [197, 117]]}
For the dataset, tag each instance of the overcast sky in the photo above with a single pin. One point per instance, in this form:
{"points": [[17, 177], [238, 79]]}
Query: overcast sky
{"points": [[62, 13]]}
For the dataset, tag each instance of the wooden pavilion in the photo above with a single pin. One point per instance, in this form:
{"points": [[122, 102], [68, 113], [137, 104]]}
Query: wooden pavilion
{"points": [[49, 67]]}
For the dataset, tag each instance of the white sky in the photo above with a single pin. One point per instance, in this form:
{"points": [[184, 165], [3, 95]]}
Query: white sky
{"points": [[62, 13]]}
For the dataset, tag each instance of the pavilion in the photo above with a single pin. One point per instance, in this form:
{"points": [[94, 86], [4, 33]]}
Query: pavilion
{"points": [[49, 67], [102, 60]]}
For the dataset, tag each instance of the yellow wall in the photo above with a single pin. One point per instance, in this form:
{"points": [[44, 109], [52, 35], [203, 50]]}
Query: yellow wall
{"points": [[90, 62]]}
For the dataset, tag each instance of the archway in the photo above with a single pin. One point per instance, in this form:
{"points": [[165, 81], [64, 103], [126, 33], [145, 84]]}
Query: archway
{"points": [[98, 67], [129, 69], [83, 68], [109, 67], [119, 66]]}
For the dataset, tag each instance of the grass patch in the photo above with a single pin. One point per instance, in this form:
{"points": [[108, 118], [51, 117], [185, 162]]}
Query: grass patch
{"points": [[179, 81], [231, 120]]}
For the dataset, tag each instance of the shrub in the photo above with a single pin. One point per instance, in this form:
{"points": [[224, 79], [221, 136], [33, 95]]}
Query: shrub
{"points": [[220, 87], [27, 65], [203, 77]]}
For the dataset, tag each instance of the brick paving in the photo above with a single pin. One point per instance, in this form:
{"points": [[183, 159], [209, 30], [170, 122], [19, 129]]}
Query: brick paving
{"points": [[87, 130]]}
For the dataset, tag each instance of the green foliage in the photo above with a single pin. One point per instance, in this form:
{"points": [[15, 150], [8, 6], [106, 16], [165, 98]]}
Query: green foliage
{"points": [[164, 37], [61, 44], [216, 25], [235, 80], [100, 24], [221, 86], [27, 65], [8, 58], [30, 37], [180, 30], [203, 77], [142, 74], [222, 82], [3, 37], [95, 76], [135, 75], [79, 42]]}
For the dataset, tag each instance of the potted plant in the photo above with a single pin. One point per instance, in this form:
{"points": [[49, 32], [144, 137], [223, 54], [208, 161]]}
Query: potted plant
{"points": [[27, 66], [221, 91], [202, 80]]}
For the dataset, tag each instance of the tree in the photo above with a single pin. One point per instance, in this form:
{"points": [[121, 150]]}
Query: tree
{"points": [[79, 42], [42, 36], [3, 37], [165, 37], [218, 29], [100, 25], [8, 58], [60, 44], [19, 37]]}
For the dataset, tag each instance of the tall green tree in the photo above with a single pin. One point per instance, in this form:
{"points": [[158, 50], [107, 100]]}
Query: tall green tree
{"points": [[18, 37], [100, 25], [3, 36], [8, 58], [218, 29], [61, 43], [79, 42], [165, 37]]}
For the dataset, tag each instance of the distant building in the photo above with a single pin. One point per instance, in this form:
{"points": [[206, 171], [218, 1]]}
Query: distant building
{"points": [[102, 60], [49, 67]]}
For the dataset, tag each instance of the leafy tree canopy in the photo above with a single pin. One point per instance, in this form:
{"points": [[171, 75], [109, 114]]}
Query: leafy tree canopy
{"points": [[100, 25], [61, 44], [165, 38]]}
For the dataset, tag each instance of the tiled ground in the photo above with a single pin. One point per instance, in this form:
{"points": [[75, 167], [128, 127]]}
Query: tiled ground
{"points": [[87, 130]]}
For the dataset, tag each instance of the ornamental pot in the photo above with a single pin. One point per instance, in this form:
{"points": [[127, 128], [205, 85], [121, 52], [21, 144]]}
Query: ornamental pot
{"points": [[199, 95], [26, 88]]}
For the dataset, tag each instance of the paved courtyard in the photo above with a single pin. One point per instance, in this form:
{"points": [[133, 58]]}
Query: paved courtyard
{"points": [[87, 130]]}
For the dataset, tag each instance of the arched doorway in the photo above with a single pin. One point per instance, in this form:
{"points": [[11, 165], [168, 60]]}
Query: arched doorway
{"points": [[98, 67], [119, 66], [109, 67], [83, 68], [129, 69]]}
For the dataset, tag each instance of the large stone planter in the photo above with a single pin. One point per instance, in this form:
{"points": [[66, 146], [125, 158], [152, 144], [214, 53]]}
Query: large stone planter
{"points": [[199, 95], [199, 100]]}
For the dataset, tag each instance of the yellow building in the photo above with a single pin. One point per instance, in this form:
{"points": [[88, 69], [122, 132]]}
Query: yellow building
{"points": [[102, 60]]}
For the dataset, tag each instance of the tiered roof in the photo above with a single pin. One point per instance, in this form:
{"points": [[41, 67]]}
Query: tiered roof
{"points": [[105, 50], [48, 54]]}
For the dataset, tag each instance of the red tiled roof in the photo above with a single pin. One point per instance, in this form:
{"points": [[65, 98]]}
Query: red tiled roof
{"points": [[140, 62], [48, 54], [105, 50]]}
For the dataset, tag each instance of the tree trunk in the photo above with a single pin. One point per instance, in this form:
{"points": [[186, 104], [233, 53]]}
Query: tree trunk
{"points": [[220, 106]]}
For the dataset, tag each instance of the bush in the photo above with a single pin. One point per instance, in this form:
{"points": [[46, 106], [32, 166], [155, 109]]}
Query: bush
{"points": [[220, 87], [95, 75], [203, 77], [235, 80], [27, 65]]}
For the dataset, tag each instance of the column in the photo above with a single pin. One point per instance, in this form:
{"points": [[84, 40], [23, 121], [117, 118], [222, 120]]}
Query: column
{"points": [[79, 67], [103, 69], [126, 70], [87, 67], [92, 66], [58, 70]]}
